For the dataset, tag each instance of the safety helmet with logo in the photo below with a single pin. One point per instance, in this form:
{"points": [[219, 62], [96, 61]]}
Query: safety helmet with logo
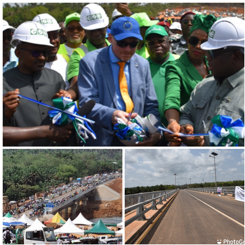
{"points": [[31, 32], [93, 17], [225, 32], [7, 26], [48, 22]]}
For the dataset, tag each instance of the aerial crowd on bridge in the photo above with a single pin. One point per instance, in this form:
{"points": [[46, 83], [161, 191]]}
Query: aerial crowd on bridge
{"points": [[37, 203], [183, 75]]}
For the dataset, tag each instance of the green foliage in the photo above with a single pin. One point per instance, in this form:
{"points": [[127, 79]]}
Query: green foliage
{"points": [[138, 189], [45, 168]]}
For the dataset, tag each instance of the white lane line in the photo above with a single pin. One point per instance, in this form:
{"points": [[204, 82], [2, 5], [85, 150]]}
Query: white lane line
{"points": [[217, 210]]}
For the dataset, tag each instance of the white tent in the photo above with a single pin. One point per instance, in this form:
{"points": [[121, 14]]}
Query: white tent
{"points": [[26, 220], [119, 233], [120, 225], [9, 219], [37, 225], [80, 220], [69, 227]]}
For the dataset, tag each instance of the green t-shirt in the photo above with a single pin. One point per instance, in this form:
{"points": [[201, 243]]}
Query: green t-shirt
{"points": [[73, 65], [143, 52], [158, 78]]}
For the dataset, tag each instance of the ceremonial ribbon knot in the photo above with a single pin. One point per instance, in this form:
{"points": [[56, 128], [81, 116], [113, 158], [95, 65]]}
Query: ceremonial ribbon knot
{"points": [[59, 118], [225, 131]]}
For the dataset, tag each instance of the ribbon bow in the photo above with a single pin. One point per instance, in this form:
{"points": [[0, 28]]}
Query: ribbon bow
{"points": [[225, 131], [69, 107]]}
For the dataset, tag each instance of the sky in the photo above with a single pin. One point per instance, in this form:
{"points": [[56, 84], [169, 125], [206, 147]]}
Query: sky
{"points": [[149, 167]]}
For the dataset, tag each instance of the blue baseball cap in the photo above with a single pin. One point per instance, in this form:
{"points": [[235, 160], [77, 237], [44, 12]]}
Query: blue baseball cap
{"points": [[125, 27]]}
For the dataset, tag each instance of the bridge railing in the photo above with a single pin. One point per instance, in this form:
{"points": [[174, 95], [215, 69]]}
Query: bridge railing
{"points": [[155, 198], [225, 189], [134, 198]]}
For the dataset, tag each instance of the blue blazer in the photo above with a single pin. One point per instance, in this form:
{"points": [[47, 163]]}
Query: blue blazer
{"points": [[95, 81]]}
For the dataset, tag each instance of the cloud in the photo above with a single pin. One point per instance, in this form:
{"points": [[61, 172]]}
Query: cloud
{"points": [[158, 166]]}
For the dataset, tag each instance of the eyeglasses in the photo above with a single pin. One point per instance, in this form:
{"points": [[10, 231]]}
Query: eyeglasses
{"points": [[193, 41], [73, 28], [37, 53], [159, 41], [124, 44], [185, 22]]}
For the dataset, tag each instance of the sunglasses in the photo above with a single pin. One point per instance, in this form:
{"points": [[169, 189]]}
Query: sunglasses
{"points": [[159, 41], [193, 41], [124, 44], [73, 28], [215, 53], [37, 53]]}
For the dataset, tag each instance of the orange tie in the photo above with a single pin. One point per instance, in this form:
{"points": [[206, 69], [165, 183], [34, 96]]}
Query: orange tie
{"points": [[124, 88]]}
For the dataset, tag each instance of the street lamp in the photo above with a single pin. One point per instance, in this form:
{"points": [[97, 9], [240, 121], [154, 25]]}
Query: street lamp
{"points": [[114, 165], [214, 154], [175, 180]]}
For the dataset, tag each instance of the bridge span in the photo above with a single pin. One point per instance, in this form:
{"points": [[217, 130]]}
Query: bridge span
{"points": [[195, 218]]}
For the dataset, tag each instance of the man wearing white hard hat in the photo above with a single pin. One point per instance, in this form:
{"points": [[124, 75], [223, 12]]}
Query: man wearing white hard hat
{"points": [[31, 79], [223, 92], [9, 58], [55, 61], [94, 21]]}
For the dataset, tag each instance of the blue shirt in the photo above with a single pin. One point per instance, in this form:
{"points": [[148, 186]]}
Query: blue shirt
{"points": [[13, 61], [115, 72]]}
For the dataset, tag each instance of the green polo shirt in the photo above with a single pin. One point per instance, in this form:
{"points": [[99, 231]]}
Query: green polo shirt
{"points": [[73, 65], [158, 78]]}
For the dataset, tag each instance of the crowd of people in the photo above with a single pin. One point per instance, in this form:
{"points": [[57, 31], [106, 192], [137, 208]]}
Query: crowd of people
{"points": [[37, 205], [184, 74]]}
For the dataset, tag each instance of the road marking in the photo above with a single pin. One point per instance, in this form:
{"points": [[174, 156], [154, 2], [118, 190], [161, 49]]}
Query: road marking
{"points": [[217, 210]]}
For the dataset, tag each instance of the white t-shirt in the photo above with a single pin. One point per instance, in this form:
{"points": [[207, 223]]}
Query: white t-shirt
{"points": [[59, 65]]}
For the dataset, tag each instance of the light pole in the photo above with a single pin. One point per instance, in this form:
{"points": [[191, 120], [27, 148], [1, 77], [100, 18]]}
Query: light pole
{"points": [[175, 180], [114, 165], [214, 155]]}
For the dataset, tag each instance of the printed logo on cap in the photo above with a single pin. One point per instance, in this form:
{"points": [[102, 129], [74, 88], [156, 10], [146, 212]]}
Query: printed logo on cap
{"points": [[45, 21], [94, 17], [38, 31], [154, 29], [128, 26], [211, 33]]}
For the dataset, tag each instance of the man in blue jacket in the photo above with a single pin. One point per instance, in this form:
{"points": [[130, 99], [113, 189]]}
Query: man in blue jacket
{"points": [[100, 78]]}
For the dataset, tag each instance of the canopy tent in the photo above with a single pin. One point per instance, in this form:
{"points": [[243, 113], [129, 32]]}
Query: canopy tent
{"points": [[9, 220], [37, 225], [26, 220], [69, 227], [80, 220], [100, 228], [56, 219], [120, 225]]}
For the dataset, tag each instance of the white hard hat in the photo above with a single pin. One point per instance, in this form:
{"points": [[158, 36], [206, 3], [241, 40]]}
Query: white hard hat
{"points": [[225, 32], [7, 26], [93, 17], [175, 25], [48, 22], [115, 14], [31, 32]]}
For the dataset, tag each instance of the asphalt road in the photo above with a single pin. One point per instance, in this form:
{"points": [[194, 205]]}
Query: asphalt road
{"points": [[190, 221]]}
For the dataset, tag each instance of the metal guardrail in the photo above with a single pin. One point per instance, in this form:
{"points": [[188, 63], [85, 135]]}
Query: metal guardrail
{"points": [[134, 198], [225, 189], [140, 206]]}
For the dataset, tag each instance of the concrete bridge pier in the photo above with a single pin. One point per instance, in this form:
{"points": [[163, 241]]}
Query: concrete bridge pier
{"points": [[66, 213]]}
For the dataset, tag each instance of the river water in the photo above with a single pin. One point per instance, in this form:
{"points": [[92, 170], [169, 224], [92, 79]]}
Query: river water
{"points": [[111, 220]]}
